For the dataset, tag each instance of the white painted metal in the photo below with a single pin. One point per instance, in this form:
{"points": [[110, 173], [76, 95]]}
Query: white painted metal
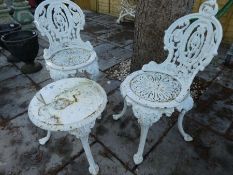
{"points": [[158, 89], [67, 56], [128, 8], [70, 105]]}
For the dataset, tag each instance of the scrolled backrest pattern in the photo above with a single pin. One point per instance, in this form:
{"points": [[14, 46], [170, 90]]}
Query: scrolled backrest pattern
{"points": [[192, 41], [61, 21]]}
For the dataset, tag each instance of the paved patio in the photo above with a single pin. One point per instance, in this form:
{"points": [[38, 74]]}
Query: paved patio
{"points": [[114, 143]]}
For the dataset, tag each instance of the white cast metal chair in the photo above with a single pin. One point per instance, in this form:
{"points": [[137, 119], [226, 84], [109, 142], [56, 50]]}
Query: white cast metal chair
{"points": [[128, 8], [67, 56], [158, 89]]}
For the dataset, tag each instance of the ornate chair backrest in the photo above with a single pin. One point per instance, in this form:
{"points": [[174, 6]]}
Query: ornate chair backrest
{"points": [[61, 21], [192, 41]]}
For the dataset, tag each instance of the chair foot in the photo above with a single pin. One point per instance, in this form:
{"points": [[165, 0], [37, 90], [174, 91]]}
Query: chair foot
{"points": [[186, 136], [137, 159], [44, 140], [118, 21], [117, 116], [94, 170]]}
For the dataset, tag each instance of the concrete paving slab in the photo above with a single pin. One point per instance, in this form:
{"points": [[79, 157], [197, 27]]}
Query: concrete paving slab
{"points": [[207, 154], [122, 136], [121, 35], [93, 39], [108, 164], [20, 150], [22, 153], [43, 42], [122, 38], [215, 108], [110, 55], [43, 84], [129, 47], [42, 75], [226, 78], [40, 52], [108, 85], [125, 26], [95, 29], [105, 19], [8, 72], [3, 60], [16, 93], [89, 15], [212, 70]]}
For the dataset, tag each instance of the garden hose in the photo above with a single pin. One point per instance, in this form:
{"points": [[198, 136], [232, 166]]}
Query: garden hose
{"points": [[224, 9]]}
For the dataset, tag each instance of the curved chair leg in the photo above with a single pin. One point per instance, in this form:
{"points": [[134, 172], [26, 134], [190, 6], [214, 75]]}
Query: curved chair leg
{"points": [[138, 157], [122, 15], [118, 21], [117, 116], [44, 140], [94, 168], [186, 136]]}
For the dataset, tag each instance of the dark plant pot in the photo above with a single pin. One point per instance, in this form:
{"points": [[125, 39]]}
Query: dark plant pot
{"points": [[24, 45], [7, 28]]}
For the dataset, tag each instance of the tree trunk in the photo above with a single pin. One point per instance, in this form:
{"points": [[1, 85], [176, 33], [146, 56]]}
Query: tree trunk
{"points": [[153, 17]]}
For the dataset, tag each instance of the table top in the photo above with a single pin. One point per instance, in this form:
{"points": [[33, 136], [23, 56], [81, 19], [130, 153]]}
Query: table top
{"points": [[67, 104]]}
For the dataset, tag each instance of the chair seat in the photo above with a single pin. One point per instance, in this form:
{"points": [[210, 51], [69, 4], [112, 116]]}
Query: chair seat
{"points": [[72, 57], [151, 88]]}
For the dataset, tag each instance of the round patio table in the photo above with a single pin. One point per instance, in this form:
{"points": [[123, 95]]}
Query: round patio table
{"points": [[71, 105]]}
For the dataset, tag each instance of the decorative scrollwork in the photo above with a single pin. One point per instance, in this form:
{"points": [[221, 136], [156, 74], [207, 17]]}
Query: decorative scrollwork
{"points": [[128, 7], [148, 116], [61, 21], [209, 8], [83, 131], [192, 42], [159, 89], [67, 56]]}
